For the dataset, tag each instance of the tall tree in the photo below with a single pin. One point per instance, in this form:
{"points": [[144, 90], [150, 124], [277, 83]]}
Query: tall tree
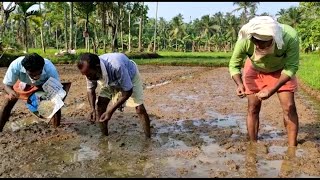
{"points": [[155, 30], [6, 13], [41, 17], [24, 15], [65, 28], [71, 45], [245, 7], [86, 8], [141, 29]]}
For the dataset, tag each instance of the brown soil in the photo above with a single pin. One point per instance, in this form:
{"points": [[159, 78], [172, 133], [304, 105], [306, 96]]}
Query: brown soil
{"points": [[198, 130]]}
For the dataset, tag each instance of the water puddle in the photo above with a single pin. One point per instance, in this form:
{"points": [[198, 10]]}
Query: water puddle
{"points": [[85, 153], [183, 96], [280, 150]]}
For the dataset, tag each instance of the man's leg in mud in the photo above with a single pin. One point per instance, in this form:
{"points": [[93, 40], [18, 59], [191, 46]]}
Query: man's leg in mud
{"points": [[56, 119], [254, 106], [251, 160], [6, 111], [290, 116], [102, 105], [144, 117], [287, 168]]}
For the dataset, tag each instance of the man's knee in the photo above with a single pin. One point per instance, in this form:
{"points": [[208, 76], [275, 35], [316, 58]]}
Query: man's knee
{"points": [[289, 109], [253, 108], [141, 109]]}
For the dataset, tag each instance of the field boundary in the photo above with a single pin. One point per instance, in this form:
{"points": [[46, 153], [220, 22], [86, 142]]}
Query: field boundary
{"points": [[309, 90]]}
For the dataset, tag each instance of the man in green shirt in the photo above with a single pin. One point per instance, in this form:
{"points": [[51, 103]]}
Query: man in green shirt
{"points": [[270, 54]]}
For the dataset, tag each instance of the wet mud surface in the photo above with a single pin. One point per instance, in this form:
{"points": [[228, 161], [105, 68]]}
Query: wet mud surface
{"points": [[198, 130]]}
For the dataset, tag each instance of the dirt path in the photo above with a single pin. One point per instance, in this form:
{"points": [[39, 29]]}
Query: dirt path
{"points": [[198, 130]]}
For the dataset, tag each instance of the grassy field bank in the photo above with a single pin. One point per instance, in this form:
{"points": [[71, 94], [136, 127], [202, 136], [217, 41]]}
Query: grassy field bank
{"points": [[309, 71]]}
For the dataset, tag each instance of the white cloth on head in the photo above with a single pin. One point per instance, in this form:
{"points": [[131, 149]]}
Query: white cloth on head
{"points": [[262, 27]]}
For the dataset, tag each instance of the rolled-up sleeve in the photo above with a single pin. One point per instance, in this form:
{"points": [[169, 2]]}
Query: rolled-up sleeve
{"points": [[292, 60], [11, 75], [236, 61]]}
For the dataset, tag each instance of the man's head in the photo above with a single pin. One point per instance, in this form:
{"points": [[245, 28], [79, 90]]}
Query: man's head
{"points": [[33, 63], [263, 31], [262, 42], [89, 65]]}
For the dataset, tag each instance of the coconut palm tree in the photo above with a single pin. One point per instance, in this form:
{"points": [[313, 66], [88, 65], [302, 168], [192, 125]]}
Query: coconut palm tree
{"points": [[23, 14], [86, 8], [6, 13], [293, 17], [177, 28], [155, 30], [245, 7]]}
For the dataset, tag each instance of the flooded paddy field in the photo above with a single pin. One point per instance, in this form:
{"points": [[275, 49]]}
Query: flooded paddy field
{"points": [[198, 130]]}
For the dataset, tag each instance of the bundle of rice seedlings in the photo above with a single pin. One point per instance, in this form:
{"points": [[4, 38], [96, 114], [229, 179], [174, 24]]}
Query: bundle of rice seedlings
{"points": [[45, 108]]}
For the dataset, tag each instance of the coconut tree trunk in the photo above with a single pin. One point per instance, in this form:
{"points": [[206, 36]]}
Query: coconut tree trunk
{"points": [[104, 26], [41, 32], [129, 48], [57, 42], [35, 42], [71, 26], [176, 44], [25, 35], [87, 33], [155, 30], [140, 28], [65, 29], [75, 37], [193, 46], [95, 41], [121, 36]]}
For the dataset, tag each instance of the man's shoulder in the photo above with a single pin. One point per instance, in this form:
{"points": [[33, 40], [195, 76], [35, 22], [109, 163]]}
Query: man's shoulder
{"points": [[289, 30], [110, 56], [116, 60], [48, 63], [16, 64]]}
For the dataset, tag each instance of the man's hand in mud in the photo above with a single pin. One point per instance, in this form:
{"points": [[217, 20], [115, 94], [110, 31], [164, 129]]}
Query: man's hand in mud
{"points": [[12, 95], [106, 116], [93, 116], [241, 91]]}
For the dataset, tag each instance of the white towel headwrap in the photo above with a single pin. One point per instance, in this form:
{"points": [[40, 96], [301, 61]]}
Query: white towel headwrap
{"points": [[262, 27]]}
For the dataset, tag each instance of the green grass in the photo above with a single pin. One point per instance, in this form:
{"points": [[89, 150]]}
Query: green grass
{"points": [[202, 55], [212, 62], [309, 70]]}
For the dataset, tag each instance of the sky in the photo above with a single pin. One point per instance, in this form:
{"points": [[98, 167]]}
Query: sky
{"points": [[168, 10], [193, 10]]}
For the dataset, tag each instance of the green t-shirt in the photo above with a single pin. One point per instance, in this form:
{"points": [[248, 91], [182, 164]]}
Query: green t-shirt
{"points": [[286, 58]]}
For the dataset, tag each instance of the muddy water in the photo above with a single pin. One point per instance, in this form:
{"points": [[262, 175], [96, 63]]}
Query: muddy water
{"points": [[196, 132]]}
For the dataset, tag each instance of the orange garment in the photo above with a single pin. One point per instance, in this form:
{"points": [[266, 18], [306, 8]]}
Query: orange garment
{"points": [[25, 93], [254, 80]]}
